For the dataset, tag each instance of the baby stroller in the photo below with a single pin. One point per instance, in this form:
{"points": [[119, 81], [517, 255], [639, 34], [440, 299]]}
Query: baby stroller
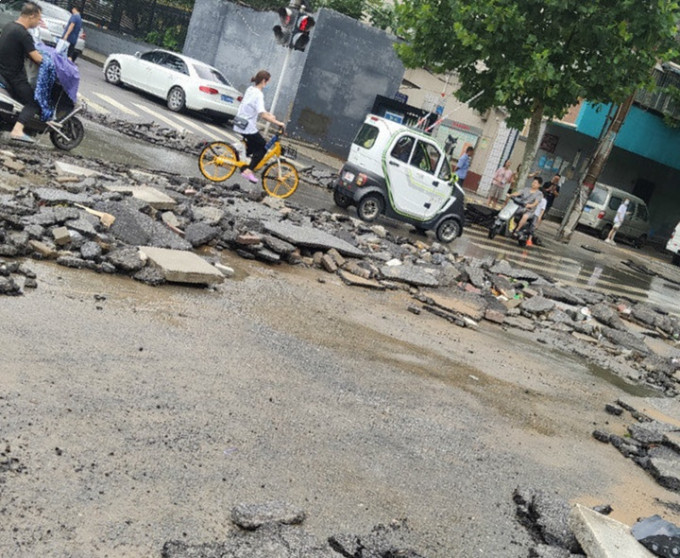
{"points": [[66, 130]]}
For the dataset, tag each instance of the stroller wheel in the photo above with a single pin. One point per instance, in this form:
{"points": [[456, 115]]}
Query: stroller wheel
{"points": [[73, 129]]}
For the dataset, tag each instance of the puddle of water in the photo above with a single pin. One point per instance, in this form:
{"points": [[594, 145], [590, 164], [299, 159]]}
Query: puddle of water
{"points": [[638, 390]]}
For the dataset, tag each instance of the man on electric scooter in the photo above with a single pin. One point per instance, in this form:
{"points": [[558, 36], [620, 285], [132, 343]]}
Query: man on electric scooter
{"points": [[16, 44], [530, 197]]}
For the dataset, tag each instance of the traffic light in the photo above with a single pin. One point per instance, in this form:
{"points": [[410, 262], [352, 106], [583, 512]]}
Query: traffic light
{"points": [[283, 32], [301, 34]]}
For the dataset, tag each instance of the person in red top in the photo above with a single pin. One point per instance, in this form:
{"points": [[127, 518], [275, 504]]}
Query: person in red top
{"points": [[16, 44]]}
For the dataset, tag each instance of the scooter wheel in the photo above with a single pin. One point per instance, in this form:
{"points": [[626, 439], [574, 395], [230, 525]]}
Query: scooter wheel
{"points": [[74, 131], [494, 230]]}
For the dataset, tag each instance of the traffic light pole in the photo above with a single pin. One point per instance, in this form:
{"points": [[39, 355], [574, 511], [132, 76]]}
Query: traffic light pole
{"points": [[294, 5]]}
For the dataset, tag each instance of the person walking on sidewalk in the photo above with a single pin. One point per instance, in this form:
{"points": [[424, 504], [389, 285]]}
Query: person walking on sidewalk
{"points": [[72, 31], [499, 184], [463, 164], [245, 122], [618, 221]]}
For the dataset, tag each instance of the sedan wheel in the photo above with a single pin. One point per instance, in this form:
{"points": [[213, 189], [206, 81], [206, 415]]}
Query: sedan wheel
{"points": [[112, 73], [176, 99]]}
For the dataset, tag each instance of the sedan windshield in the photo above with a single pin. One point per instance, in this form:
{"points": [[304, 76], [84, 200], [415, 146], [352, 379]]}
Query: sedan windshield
{"points": [[206, 72]]}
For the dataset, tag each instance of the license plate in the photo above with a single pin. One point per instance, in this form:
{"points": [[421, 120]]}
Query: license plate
{"points": [[348, 176], [587, 209], [227, 99]]}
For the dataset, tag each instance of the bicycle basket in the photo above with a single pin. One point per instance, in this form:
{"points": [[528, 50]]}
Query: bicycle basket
{"points": [[288, 152]]}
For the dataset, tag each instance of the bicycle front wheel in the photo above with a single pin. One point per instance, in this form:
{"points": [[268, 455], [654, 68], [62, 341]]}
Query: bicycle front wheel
{"points": [[217, 161], [280, 179]]}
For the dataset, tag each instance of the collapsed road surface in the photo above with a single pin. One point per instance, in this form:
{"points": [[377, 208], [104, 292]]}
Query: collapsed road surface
{"points": [[134, 415]]}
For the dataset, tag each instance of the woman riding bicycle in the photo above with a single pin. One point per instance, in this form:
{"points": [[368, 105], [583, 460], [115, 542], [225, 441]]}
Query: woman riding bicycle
{"points": [[245, 122]]}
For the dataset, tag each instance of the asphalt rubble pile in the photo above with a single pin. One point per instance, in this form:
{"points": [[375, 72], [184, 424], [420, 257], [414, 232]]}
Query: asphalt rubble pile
{"points": [[652, 440], [271, 530], [55, 207]]}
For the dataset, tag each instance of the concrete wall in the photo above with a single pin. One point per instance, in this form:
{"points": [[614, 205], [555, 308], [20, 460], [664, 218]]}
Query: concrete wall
{"points": [[327, 90], [348, 64], [239, 41], [107, 42]]}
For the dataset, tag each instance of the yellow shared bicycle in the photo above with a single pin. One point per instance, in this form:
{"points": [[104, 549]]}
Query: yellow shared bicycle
{"points": [[218, 161]]}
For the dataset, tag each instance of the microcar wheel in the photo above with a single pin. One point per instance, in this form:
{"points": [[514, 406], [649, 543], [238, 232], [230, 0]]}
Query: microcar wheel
{"points": [[217, 161], [370, 207], [448, 230], [176, 99], [641, 241], [112, 73], [74, 131], [604, 233], [341, 200]]}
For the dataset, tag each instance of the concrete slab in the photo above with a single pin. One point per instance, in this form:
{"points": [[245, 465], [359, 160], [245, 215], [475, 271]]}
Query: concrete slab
{"points": [[311, 238], [467, 304], [356, 281], [180, 266], [603, 537], [155, 198], [410, 274], [66, 168]]}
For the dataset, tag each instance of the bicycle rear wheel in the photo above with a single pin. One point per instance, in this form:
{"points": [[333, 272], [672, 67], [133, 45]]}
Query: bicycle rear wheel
{"points": [[280, 179], [217, 161]]}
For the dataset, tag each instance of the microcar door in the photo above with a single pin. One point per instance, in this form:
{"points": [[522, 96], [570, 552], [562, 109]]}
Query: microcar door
{"points": [[399, 168]]}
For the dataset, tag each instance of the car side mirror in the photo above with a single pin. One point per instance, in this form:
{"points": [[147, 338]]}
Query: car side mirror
{"points": [[138, 54]]}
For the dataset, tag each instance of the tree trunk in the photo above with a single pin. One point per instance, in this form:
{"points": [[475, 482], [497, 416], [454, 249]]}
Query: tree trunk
{"points": [[602, 152], [532, 144]]}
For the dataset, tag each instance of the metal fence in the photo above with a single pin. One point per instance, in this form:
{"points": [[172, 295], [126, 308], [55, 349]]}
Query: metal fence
{"points": [[154, 22]]}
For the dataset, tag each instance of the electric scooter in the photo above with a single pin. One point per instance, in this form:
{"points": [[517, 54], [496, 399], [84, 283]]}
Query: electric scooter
{"points": [[66, 130], [500, 224]]}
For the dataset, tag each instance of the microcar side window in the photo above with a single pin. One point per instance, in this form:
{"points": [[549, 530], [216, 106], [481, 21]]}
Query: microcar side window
{"points": [[615, 202], [425, 157], [402, 148], [445, 171], [366, 136]]}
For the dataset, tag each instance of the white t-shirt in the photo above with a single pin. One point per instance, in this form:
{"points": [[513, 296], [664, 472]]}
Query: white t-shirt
{"points": [[540, 208], [251, 106], [621, 214]]}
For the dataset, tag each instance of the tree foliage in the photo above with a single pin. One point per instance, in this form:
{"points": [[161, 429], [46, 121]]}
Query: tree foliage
{"points": [[538, 56]]}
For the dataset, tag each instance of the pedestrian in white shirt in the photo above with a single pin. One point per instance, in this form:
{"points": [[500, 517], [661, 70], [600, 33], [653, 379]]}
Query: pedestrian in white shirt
{"points": [[618, 221], [245, 122]]}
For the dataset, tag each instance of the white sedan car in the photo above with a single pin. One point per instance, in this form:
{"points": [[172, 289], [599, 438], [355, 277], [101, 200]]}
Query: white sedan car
{"points": [[183, 82]]}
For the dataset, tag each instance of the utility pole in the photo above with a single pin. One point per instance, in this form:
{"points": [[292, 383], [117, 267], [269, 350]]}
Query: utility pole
{"points": [[292, 33], [602, 152]]}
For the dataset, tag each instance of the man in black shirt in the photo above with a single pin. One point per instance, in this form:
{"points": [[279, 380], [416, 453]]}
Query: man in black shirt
{"points": [[16, 44], [550, 191]]}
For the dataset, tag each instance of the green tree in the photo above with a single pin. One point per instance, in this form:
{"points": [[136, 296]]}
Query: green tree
{"points": [[536, 58]]}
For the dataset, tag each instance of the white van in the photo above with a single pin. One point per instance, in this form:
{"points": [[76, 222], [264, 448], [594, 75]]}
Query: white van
{"points": [[673, 244], [600, 209]]}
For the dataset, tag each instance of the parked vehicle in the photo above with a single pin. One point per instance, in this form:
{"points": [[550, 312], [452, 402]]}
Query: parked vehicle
{"points": [[185, 83], [403, 173], [600, 209], [52, 24], [673, 244]]}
